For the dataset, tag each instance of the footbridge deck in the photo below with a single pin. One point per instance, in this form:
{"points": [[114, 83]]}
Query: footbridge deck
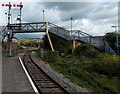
{"points": [[58, 31]]}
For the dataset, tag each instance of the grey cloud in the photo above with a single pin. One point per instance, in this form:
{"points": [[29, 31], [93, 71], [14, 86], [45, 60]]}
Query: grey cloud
{"points": [[80, 10], [77, 10], [32, 12], [60, 13], [65, 16], [64, 6], [104, 12], [112, 20]]}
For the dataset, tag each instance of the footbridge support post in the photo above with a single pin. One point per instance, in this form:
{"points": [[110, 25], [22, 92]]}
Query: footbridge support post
{"points": [[50, 42], [73, 46]]}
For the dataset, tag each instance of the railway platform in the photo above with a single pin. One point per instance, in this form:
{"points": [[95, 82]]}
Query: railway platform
{"points": [[14, 79]]}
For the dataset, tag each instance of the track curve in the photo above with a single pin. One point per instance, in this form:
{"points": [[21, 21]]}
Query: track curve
{"points": [[42, 81]]}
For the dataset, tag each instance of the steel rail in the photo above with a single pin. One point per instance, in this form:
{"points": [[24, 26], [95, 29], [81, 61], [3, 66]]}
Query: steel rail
{"points": [[43, 82]]}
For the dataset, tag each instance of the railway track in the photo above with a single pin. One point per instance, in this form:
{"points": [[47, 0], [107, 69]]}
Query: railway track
{"points": [[42, 81]]}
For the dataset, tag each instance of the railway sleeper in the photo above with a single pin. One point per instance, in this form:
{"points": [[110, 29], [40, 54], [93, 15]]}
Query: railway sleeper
{"points": [[39, 76], [48, 86], [43, 81], [53, 90], [50, 83]]}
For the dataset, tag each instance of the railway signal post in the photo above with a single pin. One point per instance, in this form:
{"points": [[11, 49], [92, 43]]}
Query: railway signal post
{"points": [[9, 27]]}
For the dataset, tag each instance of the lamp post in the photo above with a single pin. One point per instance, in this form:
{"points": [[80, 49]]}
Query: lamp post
{"points": [[43, 15], [117, 45], [71, 25], [71, 36]]}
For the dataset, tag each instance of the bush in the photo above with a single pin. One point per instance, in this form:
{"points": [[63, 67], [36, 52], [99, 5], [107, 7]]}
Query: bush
{"points": [[86, 50], [29, 42], [51, 57], [106, 64], [59, 44]]}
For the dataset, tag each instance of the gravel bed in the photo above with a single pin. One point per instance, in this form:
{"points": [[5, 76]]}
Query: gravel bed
{"points": [[60, 79]]}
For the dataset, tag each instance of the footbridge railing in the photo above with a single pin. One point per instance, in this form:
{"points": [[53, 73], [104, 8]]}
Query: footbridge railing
{"points": [[4, 32], [28, 27], [80, 36], [58, 31]]}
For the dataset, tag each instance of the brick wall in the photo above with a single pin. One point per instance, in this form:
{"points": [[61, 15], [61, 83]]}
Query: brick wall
{"points": [[77, 43], [14, 45]]}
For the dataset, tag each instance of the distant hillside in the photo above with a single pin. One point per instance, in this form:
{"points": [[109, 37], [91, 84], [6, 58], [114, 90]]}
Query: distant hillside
{"points": [[102, 37], [29, 35]]}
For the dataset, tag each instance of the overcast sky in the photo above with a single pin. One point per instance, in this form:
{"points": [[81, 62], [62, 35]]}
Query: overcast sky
{"points": [[95, 18]]}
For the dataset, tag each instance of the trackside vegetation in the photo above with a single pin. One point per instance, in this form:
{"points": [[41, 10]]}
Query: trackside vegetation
{"points": [[87, 66], [26, 44]]}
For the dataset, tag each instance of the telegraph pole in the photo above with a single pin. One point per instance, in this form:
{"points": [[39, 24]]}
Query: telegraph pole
{"points": [[71, 36], [71, 25], [43, 15]]}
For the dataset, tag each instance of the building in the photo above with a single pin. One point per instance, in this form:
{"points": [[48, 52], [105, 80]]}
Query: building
{"points": [[5, 44]]}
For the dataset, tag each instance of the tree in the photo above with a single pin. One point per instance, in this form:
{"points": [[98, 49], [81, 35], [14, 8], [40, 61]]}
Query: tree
{"points": [[111, 39], [59, 44]]}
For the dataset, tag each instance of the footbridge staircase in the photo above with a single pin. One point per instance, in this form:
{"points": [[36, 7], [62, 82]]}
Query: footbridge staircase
{"points": [[80, 36]]}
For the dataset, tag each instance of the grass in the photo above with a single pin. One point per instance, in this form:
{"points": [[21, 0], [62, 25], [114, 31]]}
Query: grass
{"points": [[77, 71]]}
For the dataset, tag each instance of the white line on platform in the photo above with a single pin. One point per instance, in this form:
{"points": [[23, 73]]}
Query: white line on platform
{"points": [[29, 78]]}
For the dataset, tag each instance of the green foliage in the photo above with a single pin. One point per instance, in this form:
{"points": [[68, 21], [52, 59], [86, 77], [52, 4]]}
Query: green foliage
{"points": [[86, 50], [29, 42], [106, 64], [89, 74], [97, 71], [52, 58], [59, 44], [111, 39]]}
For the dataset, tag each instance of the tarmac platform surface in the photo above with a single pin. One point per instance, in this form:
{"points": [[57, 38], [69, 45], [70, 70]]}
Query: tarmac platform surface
{"points": [[14, 79]]}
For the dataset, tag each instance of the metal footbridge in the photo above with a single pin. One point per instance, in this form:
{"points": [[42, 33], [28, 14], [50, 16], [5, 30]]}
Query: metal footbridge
{"points": [[58, 31]]}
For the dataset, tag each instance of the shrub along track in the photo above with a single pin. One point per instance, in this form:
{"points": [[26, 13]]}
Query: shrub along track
{"points": [[42, 81]]}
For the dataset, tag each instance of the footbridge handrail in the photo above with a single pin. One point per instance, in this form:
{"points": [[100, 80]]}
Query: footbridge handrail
{"points": [[108, 48], [80, 36], [59, 31], [4, 32]]}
